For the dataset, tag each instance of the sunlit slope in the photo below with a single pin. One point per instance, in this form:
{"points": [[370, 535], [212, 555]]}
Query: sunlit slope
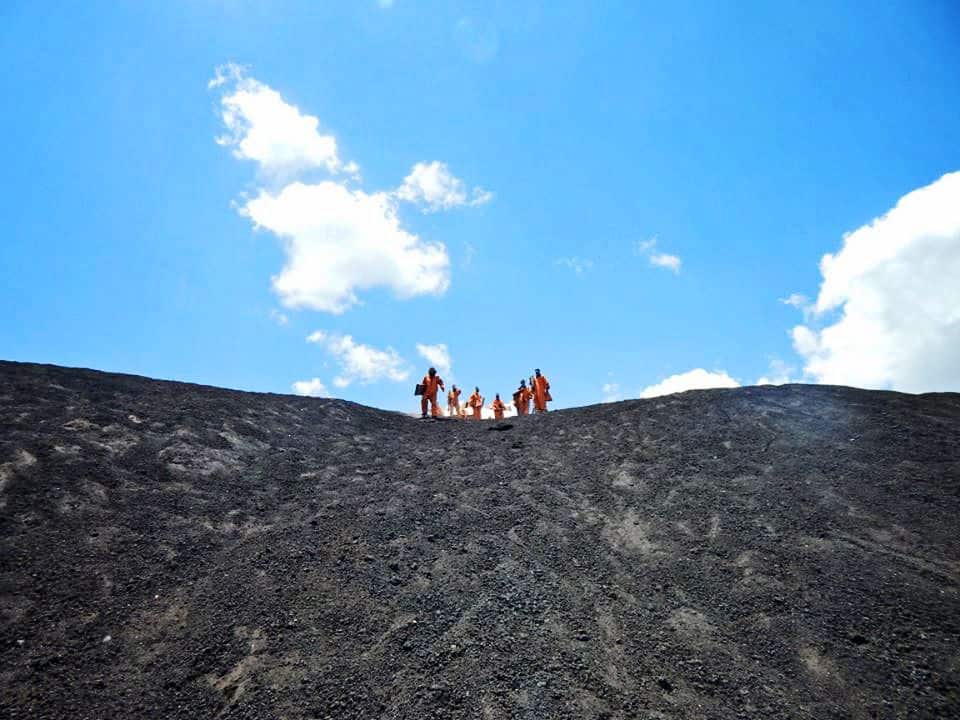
{"points": [[177, 551]]}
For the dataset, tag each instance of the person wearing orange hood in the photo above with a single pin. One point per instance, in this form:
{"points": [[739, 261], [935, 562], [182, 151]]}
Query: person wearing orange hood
{"points": [[453, 402], [541, 392], [431, 381], [498, 408], [521, 399], [476, 402]]}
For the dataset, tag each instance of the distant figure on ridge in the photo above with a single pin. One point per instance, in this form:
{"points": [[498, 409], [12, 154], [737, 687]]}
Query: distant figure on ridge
{"points": [[431, 381], [453, 402], [476, 403], [521, 399], [541, 392], [498, 408]]}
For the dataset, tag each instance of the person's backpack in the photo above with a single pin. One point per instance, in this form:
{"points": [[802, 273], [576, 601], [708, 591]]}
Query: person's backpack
{"points": [[418, 390]]}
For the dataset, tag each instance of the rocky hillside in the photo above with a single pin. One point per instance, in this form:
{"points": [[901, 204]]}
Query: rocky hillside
{"points": [[176, 551]]}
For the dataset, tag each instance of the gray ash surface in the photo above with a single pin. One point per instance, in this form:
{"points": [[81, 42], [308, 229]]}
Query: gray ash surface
{"points": [[177, 551]]}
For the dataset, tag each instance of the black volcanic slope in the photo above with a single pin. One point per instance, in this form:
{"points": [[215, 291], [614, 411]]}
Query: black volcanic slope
{"points": [[177, 551]]}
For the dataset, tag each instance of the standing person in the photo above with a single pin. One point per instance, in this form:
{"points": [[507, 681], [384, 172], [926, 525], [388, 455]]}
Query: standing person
{"points": [[541, 391], [453, 402], [498, 408], [476, 402], [431, 381], [521, 399]]}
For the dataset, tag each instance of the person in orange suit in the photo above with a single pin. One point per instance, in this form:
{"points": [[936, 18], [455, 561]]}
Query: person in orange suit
{"points": [[431, 381], [476, 402], [498, 408], [541, 392], [453, 402], [521, 399]]}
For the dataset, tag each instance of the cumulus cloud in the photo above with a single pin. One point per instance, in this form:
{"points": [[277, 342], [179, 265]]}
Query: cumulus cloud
{"points": [[261, 126], [339, 241], [611, 392], [578, 265], [359, 362], [889, 304], [698, 379], [647, 249], [310, 388], [433, 187], [438, 356]]}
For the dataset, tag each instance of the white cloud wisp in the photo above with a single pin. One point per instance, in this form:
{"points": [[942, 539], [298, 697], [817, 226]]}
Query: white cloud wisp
{"points": [[439, 357], [647, 249], [611, 392], [778, 373], [578, 265], [360, 363]]}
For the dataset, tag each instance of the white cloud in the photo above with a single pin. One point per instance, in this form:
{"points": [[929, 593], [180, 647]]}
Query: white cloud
{"points": [[646, 248], [578, 265], [433, 187], [310, 388], [359, 362], [671, 262], [339, 241], [896, 286], [261, 126], [778, 373], [611, 392], [796, 300], [469, 253], [697, 379], [642, 247], [438, 356], [805, 340], [278, 317]]}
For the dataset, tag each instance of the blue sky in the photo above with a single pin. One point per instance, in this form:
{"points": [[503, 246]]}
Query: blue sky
{"points": [[735, 144]]}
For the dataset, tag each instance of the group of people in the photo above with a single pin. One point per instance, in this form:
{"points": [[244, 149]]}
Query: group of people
{"points": [[538, 391]]}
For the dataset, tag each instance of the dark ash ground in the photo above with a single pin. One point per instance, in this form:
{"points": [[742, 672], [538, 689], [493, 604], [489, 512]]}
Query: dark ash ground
{"points": [[176, 551]]}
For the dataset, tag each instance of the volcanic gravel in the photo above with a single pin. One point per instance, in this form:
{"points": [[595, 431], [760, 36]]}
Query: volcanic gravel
{"points": [[176, 551]]}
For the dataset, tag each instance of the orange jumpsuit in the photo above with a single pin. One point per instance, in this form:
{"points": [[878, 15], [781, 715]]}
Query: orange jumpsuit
{"points": [[541, 393], [498, 408], [476, 402], [453, 402], [430, 386], [523, 401]]}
